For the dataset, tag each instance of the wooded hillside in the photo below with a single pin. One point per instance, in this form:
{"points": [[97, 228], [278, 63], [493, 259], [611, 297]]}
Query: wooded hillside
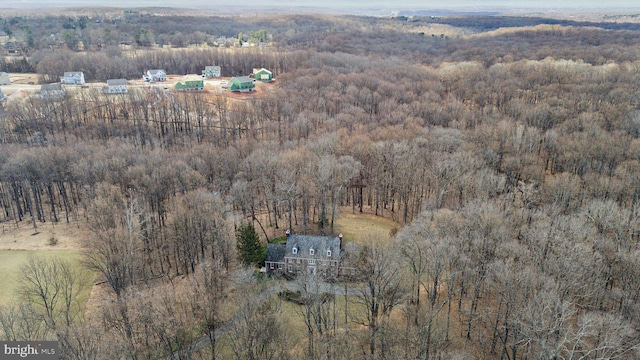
{"points": [[509, 158]]}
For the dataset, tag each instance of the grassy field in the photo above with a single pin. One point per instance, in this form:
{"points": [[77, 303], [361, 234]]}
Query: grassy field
{"points": [[365, 229], [11, 260]]}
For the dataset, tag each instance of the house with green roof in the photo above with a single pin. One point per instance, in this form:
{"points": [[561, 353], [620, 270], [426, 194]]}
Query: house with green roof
{"points": [[241, 84], [190, 84], [263, 75]]}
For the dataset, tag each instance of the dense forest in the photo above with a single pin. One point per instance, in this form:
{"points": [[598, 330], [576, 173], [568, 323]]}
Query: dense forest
{"points": [[509, 158]]}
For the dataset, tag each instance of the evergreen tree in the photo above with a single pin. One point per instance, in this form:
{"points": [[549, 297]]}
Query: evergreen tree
{"points": [[250, 250]]}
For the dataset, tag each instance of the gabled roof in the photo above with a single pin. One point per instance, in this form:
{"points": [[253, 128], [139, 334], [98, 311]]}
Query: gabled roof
{"points": [[243, 79], [320, 245], [211, 67], [255, 71], [3, 74], [275, 252], [156, 71], [116, 82]]}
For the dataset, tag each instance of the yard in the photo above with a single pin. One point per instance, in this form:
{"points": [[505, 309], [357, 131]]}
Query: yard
{"points": [[19, 241], [365, 229], [12, 260]]}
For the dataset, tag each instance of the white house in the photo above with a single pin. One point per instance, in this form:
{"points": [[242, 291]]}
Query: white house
{"points": [[116, 86], [73, 77], [4, 78], [211, 71], [154, 75]]}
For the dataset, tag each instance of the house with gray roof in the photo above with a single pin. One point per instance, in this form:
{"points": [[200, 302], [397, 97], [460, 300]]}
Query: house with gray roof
{"points": [[308, 254], [116, 86], [275, 257], [53, 91], [73, 77]]}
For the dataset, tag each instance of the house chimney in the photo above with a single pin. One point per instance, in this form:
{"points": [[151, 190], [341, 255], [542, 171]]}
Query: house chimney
{"points": [[288, 232], [340, 237]]}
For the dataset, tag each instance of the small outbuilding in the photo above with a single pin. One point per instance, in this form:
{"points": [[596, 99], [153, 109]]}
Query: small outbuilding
{"points": [[241, 84]]}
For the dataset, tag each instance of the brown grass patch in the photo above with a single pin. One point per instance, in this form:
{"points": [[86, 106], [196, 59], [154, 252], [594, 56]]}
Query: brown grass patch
{"points": [[365, 229]]}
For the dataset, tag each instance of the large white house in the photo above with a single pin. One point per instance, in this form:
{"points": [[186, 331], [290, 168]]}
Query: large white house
{"points": [[154, 75], [211, 71], [116, 86], [73, 78]]}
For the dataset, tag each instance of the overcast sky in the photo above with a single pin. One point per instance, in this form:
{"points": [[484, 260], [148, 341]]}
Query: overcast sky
{"points": [[337, 4]]}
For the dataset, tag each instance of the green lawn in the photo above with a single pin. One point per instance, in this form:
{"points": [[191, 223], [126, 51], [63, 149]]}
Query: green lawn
{"points": [[11, 260]]}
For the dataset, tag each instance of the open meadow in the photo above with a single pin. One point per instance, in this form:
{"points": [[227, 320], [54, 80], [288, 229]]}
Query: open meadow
{"points": [[19, 242]]}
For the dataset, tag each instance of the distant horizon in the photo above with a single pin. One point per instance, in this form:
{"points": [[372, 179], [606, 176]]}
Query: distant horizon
{"points": [[346, 6]]}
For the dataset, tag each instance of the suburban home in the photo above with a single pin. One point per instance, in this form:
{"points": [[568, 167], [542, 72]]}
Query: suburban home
{"points": [[191, 83], [241, 84], [73, 78], [53, 91], [263, 75], [312, 255], [211, 71], [116, 86], [4, 78], [154, 75]]}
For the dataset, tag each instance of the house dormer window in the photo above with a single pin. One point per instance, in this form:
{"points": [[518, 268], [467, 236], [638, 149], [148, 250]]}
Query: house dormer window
{"points": [[294, 250], [328, 253], [312, 252]]}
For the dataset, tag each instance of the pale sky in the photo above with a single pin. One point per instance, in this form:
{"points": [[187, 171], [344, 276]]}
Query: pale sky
{"points": [[580, 5]]}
